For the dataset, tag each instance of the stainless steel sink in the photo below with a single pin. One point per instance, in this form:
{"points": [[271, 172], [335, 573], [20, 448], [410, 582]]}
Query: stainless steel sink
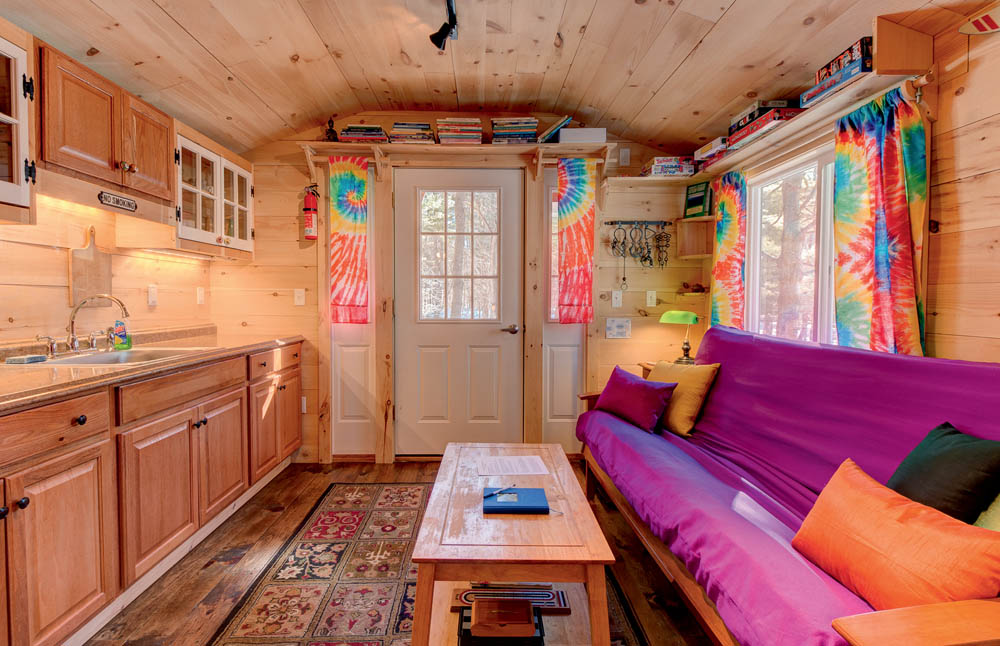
{"points": [[135, 355]]}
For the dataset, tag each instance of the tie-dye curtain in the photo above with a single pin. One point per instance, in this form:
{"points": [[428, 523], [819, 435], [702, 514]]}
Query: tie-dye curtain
{"points": [[880, 224], [729, 260], [577, 205], [348, 240]]}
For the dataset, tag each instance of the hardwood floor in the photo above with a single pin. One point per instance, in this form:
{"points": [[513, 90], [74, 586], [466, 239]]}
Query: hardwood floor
{"points": [[187, 605]]}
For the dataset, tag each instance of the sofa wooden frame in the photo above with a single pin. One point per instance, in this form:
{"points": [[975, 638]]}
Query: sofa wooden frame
{"points": [[692, 593]]}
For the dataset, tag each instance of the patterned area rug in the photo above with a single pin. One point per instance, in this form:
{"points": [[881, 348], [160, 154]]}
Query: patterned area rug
{"points": [[345, 577]]}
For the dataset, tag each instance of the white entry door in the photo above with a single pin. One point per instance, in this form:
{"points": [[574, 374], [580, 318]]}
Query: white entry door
{"points": [[458, 281]]}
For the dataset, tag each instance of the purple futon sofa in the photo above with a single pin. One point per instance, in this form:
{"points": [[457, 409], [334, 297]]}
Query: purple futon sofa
{"points": [[779, 420]]}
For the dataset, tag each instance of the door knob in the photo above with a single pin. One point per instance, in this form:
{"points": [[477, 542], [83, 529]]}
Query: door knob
{"points": [[510, 329], [23, 502]]}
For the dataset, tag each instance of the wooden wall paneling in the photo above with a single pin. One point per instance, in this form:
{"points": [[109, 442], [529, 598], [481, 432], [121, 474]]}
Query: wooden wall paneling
{"points": [[384, 315], [537, 228]]}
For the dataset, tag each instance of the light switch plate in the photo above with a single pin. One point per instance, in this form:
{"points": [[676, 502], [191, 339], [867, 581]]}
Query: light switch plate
{"points": [[200, 291], [300, 297], [624, 156], [618, 328], [152, 295], [616, 298], [651, 298]]}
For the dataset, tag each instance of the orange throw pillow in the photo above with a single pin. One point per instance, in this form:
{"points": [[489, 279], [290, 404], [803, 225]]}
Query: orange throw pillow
{"points": [[894, 552]]}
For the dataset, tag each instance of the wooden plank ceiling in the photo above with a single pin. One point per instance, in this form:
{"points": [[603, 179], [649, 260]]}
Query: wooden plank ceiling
{"points": [[664, 72]]}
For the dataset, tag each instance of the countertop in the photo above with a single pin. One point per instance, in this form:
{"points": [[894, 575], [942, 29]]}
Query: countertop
{"points": [[27, 385]]}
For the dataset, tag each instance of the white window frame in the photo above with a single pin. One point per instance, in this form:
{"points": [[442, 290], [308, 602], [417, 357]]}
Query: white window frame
{"points": [[235, 241], [823, 309], [17, 191], [552, 278]]}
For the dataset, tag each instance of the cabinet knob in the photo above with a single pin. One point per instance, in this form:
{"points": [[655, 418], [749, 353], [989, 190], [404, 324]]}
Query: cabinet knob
{"points": [[23, 502], [133, 169], [81, 420], [3, 512], [197, 425], [295, 356], [204, 421], [263, 364], [125, 166]]}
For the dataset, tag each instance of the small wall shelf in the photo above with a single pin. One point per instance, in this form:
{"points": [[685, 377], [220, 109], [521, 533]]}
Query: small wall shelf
{"points": [[695, 237]]}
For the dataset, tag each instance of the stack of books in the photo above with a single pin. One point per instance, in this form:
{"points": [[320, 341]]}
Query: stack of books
{"points": [[359, 133], [515, 130], [668, 167], [411, 132], [460, 130]]}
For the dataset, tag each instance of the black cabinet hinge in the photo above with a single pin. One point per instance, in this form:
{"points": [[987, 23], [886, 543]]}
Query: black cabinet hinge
{"points": [[28, 87], [177, 156], [177, 213], [30, 172], [251, 190], [253, 234]]}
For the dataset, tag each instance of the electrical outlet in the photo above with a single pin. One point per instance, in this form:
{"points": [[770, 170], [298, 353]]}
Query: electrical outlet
{"points": [[200, 292], [651, 298], [151, 295], [624, 156], [303, 404], [616, 298], [300, 297]]}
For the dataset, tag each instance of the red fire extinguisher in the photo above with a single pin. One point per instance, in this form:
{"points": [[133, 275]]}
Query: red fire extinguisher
{"points": [[310, 205]]}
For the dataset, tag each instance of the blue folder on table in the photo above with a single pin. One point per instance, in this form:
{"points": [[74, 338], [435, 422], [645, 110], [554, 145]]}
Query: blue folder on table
{"points": [[515, 501]]}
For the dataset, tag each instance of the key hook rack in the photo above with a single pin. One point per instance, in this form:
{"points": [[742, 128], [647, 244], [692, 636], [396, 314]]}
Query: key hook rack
{"points": [[645, 241]]}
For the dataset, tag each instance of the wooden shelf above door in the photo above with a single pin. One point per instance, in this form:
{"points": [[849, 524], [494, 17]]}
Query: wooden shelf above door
{"points": [[443, 155]]}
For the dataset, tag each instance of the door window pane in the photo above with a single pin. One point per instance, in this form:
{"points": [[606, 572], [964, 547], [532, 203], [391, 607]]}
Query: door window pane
{"points": [[228, 189], [189, 208], [207, 176], [229, 225], [189, 162], [787, 262], [458, 238], [241, 231], [241, 193], [6, 152], [207, 214]]}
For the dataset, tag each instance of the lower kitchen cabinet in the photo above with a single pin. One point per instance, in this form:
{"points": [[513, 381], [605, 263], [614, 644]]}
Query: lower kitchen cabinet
{"points": [[289, 415], [265, 451], [4, 616], [159, 490], [62, 534], [223, 452]]}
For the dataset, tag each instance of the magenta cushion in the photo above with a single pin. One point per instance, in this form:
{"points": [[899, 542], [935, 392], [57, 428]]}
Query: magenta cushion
{"points": [[634, 399]]}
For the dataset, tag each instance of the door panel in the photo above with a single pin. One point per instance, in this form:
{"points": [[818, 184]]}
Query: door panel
{"points": [[223, 452], [63, 544], [458, 307], [289, 415], [81, 114], [563, 347], [158, 490], [264, 450], [4, 616], [148, 148]]}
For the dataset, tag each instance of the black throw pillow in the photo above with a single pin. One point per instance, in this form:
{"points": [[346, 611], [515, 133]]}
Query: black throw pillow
{"points": [[952, 472]]}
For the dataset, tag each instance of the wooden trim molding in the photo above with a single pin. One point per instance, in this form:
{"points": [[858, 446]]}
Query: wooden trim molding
{"points": [[324, 413], [534, 300], [384, 306]]}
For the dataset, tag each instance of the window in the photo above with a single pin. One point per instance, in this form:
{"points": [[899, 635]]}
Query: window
{"points": [[13, 125], [459, 259], [790, 250]]}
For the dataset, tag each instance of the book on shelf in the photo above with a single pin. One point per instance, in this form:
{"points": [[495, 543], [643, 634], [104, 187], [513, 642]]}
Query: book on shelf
{"points": [[550, 133]]}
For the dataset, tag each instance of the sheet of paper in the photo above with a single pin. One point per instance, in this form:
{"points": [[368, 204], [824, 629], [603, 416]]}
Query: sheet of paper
{"points": [[512, 465]]}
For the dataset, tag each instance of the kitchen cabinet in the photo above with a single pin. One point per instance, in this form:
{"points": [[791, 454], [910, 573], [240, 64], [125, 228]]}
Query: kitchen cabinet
{"points": [[62, 543], [223, 452], [17, 93], [92, 126], [265, 452], [147, 142], [289, 415], [158, 490], [4, 616], [213, 197]]}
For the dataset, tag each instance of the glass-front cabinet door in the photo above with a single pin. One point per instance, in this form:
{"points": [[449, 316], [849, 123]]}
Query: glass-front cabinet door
{"points": [[237, 207], [13, 125], [199, 174]]}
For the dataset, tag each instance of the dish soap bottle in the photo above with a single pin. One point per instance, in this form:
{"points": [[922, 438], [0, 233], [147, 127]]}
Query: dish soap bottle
{"points": [[123, 340]]}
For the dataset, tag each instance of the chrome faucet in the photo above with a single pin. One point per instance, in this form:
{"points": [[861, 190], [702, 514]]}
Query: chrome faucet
{"points": [[72, 341]]}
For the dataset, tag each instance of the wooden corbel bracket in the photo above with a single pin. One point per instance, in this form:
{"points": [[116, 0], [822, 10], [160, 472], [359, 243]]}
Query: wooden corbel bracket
{"points": [[536, 162], [381, 162], [310, 153]]}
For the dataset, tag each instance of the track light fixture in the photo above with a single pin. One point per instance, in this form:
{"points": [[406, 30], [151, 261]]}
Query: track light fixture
{"points": [[448, 29]]}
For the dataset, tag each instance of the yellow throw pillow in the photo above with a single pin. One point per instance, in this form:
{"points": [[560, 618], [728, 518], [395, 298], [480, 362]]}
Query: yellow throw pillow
{"points": [[693, 383], [990, 519]]}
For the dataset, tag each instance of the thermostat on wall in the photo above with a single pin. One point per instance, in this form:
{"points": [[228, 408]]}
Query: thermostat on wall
{"points": [[617, 328]]}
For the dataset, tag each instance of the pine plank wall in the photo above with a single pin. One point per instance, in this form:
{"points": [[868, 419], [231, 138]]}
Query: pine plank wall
{"points": [[963, 311]]}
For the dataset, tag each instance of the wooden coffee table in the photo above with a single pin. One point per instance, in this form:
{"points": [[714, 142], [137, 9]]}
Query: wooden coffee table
{"points": [[457, 542]]}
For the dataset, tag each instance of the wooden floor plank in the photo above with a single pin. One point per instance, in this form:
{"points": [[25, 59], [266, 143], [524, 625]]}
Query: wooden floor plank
{"points": [[188, 604]]}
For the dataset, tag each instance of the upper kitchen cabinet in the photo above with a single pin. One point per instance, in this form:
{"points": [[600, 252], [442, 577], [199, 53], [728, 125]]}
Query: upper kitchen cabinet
{"points": [[92, 126], [17, 127]]}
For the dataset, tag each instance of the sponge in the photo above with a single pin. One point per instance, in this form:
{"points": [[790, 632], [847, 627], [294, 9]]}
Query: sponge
{"points": [[28, 358]]}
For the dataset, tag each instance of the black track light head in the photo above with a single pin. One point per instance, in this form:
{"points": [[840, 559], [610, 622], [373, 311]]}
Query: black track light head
{"points": [[448, 29]]}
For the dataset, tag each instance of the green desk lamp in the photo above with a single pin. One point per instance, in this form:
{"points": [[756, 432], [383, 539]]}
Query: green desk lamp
{"points": [[682, 317]]}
